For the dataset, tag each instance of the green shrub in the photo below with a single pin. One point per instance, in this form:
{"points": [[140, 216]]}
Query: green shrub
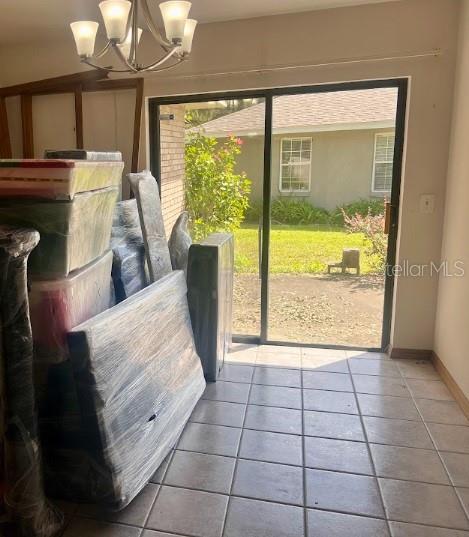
{"points": [[376, 241], [253, 212], [216, 196], [290, 212], [301, 213], [285, 211], [362, 207]]}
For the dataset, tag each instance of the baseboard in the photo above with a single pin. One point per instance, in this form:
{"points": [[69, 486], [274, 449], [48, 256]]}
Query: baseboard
{"points": [[410, 354], [451, 384]]}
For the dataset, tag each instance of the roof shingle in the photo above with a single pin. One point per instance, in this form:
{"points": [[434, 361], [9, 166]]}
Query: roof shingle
{"points": [[308, 111]]}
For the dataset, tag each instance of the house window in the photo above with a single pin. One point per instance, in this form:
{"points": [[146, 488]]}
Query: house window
{"points": [[295, 164], [383, 162]]}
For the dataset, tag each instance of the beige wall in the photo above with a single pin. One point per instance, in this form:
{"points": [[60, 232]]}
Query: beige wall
{"points": [[452, 319], [341, 167], [411, 38]]}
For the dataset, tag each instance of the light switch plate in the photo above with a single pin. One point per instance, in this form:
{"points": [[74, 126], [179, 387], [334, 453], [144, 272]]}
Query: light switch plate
{"points": [[427, 203]]}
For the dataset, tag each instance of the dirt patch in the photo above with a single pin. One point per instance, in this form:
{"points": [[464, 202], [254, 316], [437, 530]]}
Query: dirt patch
{"points": [[335, 310]]}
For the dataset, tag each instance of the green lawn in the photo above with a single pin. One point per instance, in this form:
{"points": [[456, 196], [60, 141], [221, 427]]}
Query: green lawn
{"points": [[296, 249]]}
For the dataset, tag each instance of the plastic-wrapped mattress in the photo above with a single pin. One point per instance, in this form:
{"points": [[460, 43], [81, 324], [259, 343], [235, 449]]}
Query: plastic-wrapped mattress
{"points": [[138, 378], [56, 179], [73, 233]]}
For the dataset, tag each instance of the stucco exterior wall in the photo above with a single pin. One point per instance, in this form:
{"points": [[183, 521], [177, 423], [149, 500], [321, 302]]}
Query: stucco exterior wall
{"points": [[341, 167]]}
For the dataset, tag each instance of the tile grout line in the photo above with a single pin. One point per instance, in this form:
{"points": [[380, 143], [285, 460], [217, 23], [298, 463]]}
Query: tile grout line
{"points": [[303, 448], [235, 469], [160, 485], [388, 525]]}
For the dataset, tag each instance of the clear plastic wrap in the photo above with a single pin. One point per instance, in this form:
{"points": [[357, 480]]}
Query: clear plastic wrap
{"points": [[73, 233], [128, 268], [145, 188], [138, 378], [210, 295], [56, 306], [83, 154], [24, 496], [179, 243], [56, 179]]}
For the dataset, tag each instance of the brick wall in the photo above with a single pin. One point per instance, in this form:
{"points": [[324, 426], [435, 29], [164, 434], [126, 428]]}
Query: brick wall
{"points": [[172, 164]]}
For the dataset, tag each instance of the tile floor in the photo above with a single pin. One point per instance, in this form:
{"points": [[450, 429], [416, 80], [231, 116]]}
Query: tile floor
{"points": [[308, 443]]}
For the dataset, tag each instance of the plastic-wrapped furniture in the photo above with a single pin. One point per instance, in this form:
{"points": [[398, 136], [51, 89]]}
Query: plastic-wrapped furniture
{"points": [[56, 306], [128, 267], [179, 243], [145, 189], [56, 179], [73, 233], [138, 378], [210, 296], [24, 497]]}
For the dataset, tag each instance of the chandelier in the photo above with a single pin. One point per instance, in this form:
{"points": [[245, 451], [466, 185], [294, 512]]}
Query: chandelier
{"points": [[121, 18]]}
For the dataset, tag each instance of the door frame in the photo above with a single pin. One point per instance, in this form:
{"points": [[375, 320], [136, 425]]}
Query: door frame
{"points": [[268, 94]]}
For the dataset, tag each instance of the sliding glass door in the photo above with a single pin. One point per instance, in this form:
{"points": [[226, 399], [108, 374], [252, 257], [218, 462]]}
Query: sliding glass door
{"points": [[308, 181]]}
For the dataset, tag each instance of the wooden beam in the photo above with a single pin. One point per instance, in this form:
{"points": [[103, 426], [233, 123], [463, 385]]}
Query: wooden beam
{"points": [[60, 84], [137, 124], [27, 124], [79, 117], [5, 142]]}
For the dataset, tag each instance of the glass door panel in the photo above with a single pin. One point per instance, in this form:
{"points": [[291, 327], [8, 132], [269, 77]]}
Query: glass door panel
{"points": [[212, 165], [331, 175]]}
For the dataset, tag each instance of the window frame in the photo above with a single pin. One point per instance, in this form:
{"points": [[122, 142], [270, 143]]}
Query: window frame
{"points": [[375, 162], [290, 191]]}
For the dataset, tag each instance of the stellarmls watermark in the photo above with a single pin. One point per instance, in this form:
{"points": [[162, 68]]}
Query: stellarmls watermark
{"points": [[446, 269]]}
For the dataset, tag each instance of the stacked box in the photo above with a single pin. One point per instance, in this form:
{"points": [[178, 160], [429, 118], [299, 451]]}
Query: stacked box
{"points": [[56, 179], [73, 233], [71, 204], [56, 306]]}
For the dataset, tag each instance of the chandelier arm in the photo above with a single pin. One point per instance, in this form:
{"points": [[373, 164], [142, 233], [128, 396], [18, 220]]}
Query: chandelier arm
{"points": [[108, 69], [154, 30], [124, 60], [102, 52], [164, 59], [134, 26]]}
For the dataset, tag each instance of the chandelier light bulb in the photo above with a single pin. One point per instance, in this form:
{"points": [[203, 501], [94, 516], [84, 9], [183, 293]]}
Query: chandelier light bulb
{"points": [[175, 15], [126, 45], [84, 33], [115, 14], [189, 30]]}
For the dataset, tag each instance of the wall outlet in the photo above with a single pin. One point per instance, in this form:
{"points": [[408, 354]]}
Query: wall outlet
{"points": [[427, 203]]}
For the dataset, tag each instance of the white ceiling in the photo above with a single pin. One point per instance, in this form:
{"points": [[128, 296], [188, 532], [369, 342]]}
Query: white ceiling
{"points": [[30, 20]]}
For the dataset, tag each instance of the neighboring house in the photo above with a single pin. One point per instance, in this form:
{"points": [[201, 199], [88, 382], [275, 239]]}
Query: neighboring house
{"points": [[328, 148]]}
